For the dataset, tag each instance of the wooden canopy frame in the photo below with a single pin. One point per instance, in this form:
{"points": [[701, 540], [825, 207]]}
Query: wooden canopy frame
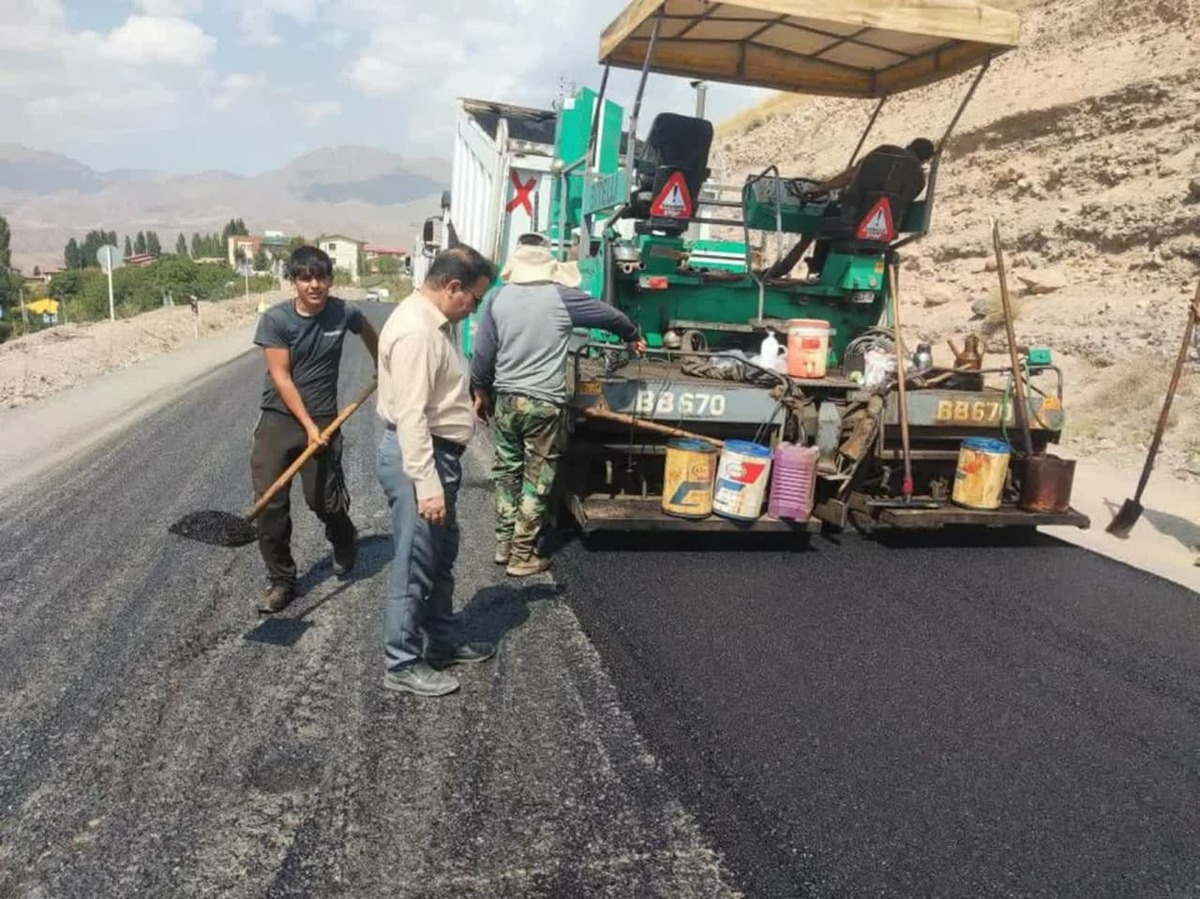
{"points": [[848, 48]]}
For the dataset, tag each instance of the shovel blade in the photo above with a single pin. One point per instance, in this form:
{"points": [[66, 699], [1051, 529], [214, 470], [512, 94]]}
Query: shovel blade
{"points": [[215, 528], [1125, 519]]}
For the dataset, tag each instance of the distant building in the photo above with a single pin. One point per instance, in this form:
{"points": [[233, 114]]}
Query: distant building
{"points": [[273, 243], [140, 259], [344, 252], [374, 254]]}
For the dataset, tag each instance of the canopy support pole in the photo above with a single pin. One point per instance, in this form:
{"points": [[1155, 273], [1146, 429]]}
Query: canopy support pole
{"points": [[631, 155]]}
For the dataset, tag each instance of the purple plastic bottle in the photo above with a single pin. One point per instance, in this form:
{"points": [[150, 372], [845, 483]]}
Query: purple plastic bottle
{"points": [[793, 474]]}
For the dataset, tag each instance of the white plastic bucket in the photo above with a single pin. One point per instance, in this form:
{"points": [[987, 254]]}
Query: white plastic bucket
{"points": [[742, 476], [807, 347]]}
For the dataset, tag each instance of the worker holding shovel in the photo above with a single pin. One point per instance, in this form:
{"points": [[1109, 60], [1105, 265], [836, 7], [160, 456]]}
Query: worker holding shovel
{"points": [[302, 341]]}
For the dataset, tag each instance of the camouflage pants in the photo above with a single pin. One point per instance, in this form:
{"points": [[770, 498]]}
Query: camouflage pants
{"points": [[526, 435]]}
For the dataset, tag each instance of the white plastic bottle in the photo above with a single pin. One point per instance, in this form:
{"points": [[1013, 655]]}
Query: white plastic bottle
{"points": [[768, 352]]}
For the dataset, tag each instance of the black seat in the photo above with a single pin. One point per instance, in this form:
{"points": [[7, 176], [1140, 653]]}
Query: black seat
{"points": [[675, 143], [888, 173]]}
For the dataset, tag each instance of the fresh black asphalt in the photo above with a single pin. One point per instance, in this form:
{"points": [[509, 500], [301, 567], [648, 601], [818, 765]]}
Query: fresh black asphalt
{"points": [[919, 717], [691, 719]]}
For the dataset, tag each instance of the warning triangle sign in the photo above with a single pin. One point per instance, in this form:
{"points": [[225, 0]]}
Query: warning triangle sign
{"points": [[674, 201], [877, 224]]}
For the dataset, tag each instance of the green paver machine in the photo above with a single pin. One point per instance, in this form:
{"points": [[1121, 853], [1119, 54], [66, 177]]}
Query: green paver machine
{"points": [[705, 303]]}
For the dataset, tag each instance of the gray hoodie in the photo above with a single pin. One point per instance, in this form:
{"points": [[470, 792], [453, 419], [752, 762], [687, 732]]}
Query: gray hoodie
{"points": [[522, 337]]}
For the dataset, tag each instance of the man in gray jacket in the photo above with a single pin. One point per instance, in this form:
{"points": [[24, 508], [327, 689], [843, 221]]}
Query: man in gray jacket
{"points": [[519, 376]]}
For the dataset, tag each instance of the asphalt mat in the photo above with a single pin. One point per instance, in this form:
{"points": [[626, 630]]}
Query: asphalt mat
{"points": [[965, 715]]}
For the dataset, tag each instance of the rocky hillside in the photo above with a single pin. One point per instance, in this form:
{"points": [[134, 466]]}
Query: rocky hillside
{"points": [[1084, 144]]}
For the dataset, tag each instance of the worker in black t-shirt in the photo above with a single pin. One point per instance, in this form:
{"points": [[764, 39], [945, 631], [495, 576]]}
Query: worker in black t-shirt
{"points": [[302, 341]]}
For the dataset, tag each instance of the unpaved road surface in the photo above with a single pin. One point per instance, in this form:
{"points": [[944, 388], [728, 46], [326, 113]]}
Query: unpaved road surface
{"points": [[662, 720]]}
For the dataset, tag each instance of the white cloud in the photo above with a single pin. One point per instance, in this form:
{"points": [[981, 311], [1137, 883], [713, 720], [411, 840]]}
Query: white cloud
{"points": [[232, 89], [146, 40], [169, 8], [33, 27], [314, 113], [512, 52], [257, 21]]}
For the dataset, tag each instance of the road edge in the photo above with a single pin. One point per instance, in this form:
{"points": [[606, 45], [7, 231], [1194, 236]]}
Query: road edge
{"points": [[59, 429]]}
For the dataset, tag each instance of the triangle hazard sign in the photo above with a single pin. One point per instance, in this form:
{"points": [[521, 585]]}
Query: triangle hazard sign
{"points": [[674, 201], [877, 224]]}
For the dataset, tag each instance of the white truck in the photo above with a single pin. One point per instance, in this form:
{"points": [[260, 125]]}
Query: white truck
{"points": [[498, 185]]}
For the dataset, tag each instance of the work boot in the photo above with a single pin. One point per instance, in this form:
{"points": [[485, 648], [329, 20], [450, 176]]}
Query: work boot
{"points": [[276, 598], [345, 552], [466, 653], [535, 564], [503, 551], [420, 679]]}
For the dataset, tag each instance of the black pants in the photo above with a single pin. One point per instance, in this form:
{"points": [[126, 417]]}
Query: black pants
{"points": [[278, 441]]}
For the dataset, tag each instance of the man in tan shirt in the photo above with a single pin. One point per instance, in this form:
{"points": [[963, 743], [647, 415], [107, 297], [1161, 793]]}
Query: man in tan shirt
{"points": [[425, 402]]}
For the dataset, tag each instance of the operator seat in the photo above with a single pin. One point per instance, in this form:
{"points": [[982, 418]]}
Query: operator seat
{"points": [[675, 142], [888, 173]]}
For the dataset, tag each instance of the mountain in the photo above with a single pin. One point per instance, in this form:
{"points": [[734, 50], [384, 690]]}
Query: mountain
{"points": [[368, 193]]}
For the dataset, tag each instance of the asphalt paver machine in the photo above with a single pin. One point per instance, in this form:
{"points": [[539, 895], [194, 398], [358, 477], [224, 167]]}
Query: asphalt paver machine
{"points": [[627, 211]]}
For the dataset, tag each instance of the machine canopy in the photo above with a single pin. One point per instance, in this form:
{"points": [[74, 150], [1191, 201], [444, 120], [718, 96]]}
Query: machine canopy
{"points": [[846, 48]]}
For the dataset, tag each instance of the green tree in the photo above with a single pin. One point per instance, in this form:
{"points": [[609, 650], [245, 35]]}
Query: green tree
{"points": [[139, 243], [387, 265], [5, 244], [128, 247], [181, 246], [153, 246], [71, 255], [261, 261]]}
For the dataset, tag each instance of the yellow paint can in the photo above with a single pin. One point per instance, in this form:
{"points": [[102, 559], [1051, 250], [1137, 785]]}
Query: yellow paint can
{"points": [[688, 478], [982, 470]]}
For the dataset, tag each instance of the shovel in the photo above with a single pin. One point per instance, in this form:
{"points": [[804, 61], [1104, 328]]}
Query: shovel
{"points": [[907, 501], [219, 528], [1131, 509]]}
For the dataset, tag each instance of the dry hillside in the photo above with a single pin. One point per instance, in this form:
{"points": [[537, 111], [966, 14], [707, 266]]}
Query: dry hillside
{"points": [[1085, 146]]}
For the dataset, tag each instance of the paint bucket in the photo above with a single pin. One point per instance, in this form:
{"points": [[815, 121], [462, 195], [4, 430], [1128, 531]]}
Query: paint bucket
{"points": [[793, 475], [742, 477], [1046, 484], [688, 478], [982, 469], [807, 347]]}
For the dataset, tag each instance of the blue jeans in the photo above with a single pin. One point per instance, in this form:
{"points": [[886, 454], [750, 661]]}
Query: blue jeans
{"points": [[418, 603]]}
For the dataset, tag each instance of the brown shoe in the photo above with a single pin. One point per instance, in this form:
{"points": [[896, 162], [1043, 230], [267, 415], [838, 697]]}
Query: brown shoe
{"points": [[532, 565], [276, 598], [503, 552]]}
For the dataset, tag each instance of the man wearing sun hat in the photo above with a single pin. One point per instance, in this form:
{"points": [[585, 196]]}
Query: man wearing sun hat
{"points": [[519, 377]]}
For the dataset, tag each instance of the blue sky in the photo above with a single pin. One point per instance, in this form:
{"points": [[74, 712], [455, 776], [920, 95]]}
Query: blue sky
{"points": [[191, 85]]}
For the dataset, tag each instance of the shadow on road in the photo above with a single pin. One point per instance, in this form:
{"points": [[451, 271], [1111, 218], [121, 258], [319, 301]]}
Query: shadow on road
{"points": [[652, 542], [374, 553], [495, 611], [1186, 532]]}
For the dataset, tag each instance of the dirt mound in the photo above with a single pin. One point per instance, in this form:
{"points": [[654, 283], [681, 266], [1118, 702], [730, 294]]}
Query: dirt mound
{"points": [[48, 361], [1085, 145]]}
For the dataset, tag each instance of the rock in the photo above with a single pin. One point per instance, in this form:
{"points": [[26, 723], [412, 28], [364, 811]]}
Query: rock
{"points": [[1180, 163], [937, 295], [1194, 190], [1046, 280]]}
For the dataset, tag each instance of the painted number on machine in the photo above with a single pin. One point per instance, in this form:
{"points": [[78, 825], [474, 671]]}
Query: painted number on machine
{"points": [[665, 402], [961, 412]]}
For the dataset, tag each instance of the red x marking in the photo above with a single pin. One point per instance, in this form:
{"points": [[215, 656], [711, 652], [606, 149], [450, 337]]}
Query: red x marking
{"points": [[523, 193]]}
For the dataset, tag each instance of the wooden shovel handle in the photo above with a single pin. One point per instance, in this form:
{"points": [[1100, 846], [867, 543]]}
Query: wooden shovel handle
{"points": [[593, 412], [1165, 414], [284, 479]]}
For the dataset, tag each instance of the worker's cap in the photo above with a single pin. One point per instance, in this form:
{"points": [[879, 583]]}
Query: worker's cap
{"points": [[533, 239]]}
